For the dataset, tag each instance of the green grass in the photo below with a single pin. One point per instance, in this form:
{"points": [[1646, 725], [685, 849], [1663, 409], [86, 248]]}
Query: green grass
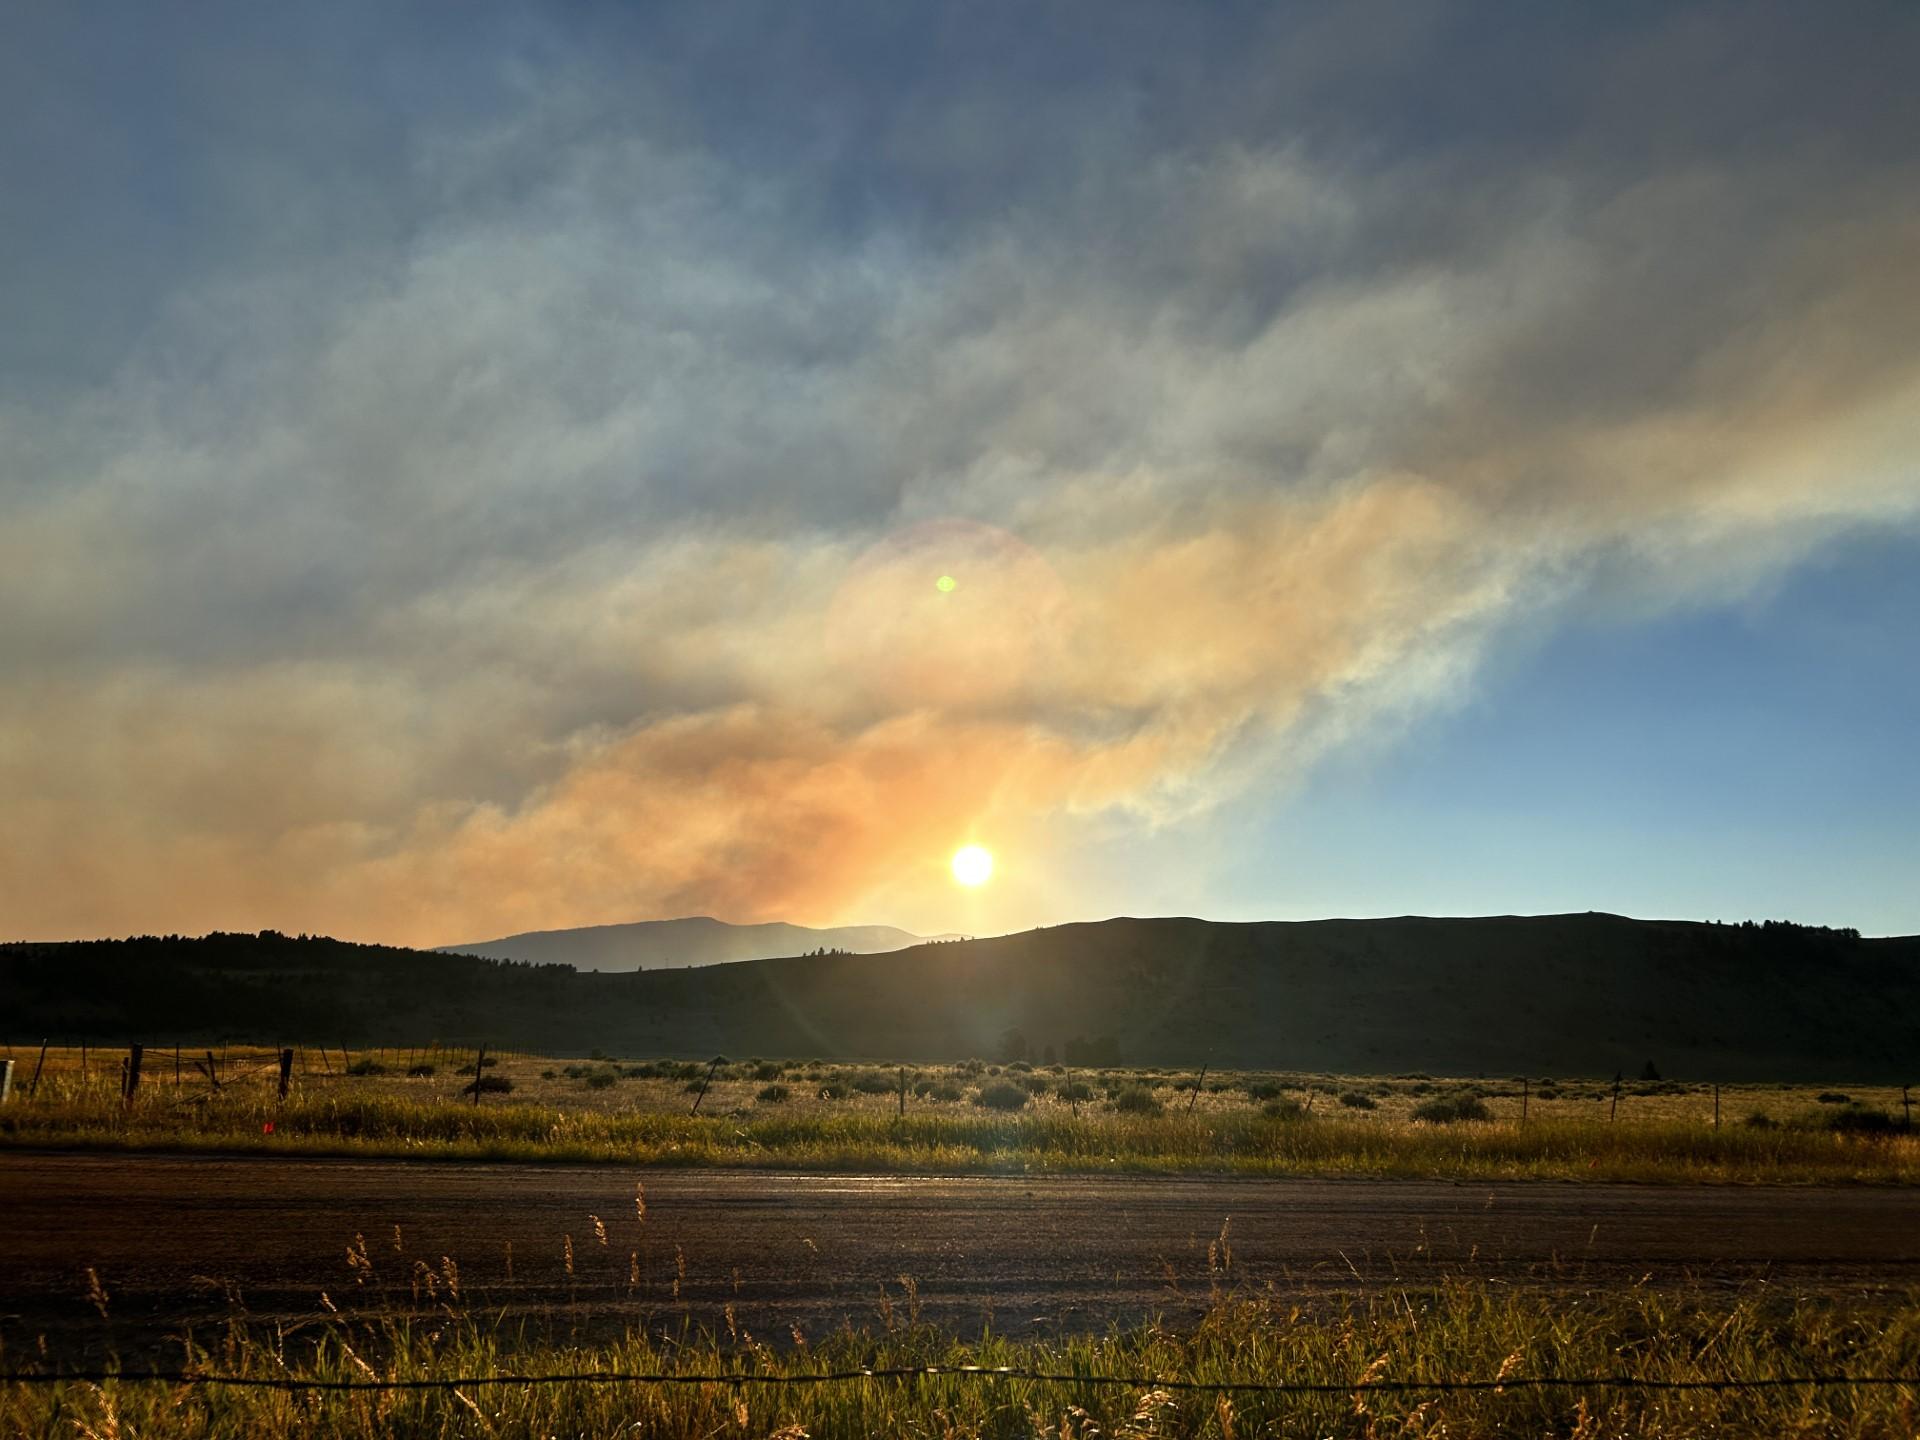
{"points": [[1463, 1330], [962, 1137]]}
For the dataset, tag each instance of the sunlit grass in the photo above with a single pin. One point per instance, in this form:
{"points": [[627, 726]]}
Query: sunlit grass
{"points": [[1462, 1330], [367, 1118]]}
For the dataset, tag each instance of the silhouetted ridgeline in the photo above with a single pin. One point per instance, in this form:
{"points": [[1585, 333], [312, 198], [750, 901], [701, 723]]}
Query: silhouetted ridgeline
{"points": [[1562, 994]]}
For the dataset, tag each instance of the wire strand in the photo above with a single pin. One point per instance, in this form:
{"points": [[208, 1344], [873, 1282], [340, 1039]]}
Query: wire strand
{"points": [[966, 1372]]}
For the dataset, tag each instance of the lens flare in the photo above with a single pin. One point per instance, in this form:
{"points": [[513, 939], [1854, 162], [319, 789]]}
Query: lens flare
{"points": [[946, 584], [972, 865]]}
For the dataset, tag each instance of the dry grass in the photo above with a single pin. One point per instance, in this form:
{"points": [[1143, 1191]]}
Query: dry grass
{"points": [[1461, 1330], [601, 1110]]}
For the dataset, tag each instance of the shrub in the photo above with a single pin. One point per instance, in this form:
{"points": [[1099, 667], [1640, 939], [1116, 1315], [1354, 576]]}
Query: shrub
{"points": [[1858, 1120], [423, 1068], [1036, 1084], [1826, 1097], [602, 1077], [1001, 1095], [1284, 1110], [1447, 1109], [1136, 1100], [834, 1090], [923, 1088], [875, 1082], [947, 1090], [546, 1074], [1759, 1120], [366, 1065], [971, 1067], [1357, 1100], [488, 1085], [1264, 1090], [773, 1094], [692, 1087], [1020, 1067], [1076, 1090], [487, 1064], [768, 1070], [1547, 1092]]}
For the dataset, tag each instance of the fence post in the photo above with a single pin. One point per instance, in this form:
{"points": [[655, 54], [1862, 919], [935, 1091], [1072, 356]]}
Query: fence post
{"points": [[1525, 1087], [1906, 1110], [134, 1055], [176, 1067], [903, 1090], [479, 1071], [1716, 1107], [1614, 1108], [33, 1085], [213, 1070], [1194, 1099], [703, 1086], [6, 1081], [286, 1071]]}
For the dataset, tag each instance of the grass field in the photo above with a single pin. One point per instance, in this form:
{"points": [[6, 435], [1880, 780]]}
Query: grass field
{"points": [[817, 1114], [1460, 1331]]}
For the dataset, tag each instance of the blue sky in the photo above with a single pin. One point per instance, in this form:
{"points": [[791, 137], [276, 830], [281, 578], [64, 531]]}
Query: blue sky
{"points": [[1753, 760], [471, 469]]}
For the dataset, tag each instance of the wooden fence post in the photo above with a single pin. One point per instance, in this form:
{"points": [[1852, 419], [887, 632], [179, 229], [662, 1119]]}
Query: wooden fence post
{"points": [[213, 1070], [1194, 1099], [703, 1086], [6, 1079], [1525, 1088], [176, 1067], [1906, 1110], [286, 1071], [903, 1090], [479, 1071], [1614, 1108], [1716, 1107], [134, 1055], [33, 1085]]}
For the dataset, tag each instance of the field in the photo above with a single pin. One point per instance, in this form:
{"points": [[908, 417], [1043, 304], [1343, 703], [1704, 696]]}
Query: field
{"points": [[731, 1273], [986, 1117], [1458, 1331]]}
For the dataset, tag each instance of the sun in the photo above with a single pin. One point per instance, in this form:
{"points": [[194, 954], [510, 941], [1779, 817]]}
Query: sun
{"points": [[972, 865]]}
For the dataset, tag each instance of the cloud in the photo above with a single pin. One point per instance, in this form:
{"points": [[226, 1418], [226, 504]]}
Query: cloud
{"points": [[572, 560]]}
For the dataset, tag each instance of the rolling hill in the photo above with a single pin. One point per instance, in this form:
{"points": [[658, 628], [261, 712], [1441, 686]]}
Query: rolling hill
{"points": [[697, 940], [1546, 995]]}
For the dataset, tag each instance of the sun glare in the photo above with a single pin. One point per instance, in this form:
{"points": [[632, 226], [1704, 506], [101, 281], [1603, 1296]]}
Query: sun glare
{"points": [[972, 865]]}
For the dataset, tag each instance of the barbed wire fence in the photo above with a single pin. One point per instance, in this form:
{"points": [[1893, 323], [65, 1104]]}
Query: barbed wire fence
{"points": [[971, 1372]]}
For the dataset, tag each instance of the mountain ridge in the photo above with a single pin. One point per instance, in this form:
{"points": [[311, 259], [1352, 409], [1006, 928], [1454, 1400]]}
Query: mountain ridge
{"points": [[1579, 994], [688, 940]]}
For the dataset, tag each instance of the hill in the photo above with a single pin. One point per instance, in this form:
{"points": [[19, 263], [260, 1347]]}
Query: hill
{"points": [[697, 940], [1546, 995]]}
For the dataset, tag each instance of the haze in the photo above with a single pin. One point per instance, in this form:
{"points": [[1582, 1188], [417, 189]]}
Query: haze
{"points": [[497, 469]]}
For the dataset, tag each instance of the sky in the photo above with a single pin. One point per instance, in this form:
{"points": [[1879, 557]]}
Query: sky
{"points": [[467, 469]]}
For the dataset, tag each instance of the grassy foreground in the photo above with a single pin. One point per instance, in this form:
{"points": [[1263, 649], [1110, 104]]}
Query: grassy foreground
{"points": [[965, 1138], [1461, 1331]]}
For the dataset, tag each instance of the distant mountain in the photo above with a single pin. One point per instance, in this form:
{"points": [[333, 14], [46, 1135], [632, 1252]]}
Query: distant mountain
{"points": [[675, 944], [1543, 995]]}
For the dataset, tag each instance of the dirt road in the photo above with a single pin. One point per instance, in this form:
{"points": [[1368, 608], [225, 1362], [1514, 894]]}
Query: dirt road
{"points": [[181, 1239]]}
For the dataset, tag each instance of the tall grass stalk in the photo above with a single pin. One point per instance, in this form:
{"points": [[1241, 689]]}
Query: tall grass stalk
{"points": [[1461, 1330]]}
